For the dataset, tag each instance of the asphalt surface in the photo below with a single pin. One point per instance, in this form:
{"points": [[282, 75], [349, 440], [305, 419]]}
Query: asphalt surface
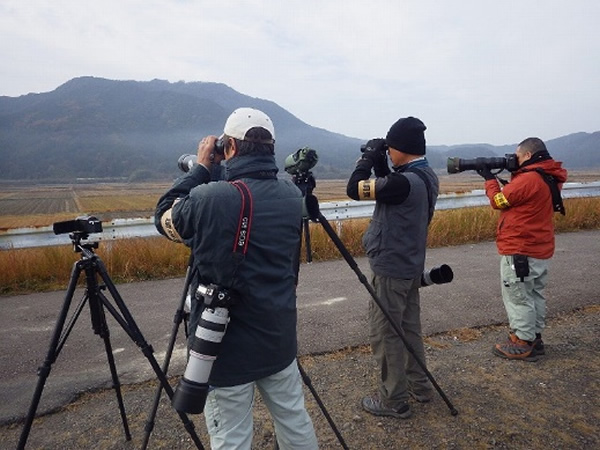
{"points": [[332, 315]]}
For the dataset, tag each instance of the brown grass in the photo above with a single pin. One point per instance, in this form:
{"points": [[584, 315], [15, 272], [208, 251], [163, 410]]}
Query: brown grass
{"points": [[48, 268], [41, 269]]}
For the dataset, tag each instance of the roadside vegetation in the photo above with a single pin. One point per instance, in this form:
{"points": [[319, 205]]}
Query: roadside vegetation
{"points": [[49, 268]]}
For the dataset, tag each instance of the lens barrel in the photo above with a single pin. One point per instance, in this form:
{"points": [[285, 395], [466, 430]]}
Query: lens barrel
{"points": [[456, 165], [438, 275], [191, 392], [186, 162]]}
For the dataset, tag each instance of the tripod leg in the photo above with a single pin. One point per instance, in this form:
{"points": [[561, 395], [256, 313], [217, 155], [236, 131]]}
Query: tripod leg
{"points": [[100, 328], [308, 383], [125, 319], [116, 383], [179, 317], [306, 229], [352, 263], [53, 351]]}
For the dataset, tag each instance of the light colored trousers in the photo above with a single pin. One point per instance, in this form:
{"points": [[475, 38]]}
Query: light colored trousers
{"points": [[524, 300], [228, 412]]}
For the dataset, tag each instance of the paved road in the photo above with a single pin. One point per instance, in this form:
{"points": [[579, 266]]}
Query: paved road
{"points": [[332, 311]]}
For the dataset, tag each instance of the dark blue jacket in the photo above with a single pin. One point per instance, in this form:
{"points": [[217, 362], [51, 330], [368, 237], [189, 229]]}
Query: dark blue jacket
{"points": [[261, 337]]}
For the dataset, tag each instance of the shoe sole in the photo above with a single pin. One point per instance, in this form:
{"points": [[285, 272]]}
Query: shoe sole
{"points": [[530, 358]]}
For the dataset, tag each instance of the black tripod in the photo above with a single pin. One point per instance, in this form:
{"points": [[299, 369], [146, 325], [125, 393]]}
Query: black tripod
{"points": [[93, 267], [306, 183], [314, 213], [180, 316]]}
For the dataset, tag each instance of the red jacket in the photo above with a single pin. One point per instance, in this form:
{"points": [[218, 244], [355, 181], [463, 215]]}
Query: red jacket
{"points": [[526, 225]]}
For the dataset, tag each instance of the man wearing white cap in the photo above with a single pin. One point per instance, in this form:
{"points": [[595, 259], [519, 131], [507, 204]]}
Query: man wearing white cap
{"points": [[258, 216]]}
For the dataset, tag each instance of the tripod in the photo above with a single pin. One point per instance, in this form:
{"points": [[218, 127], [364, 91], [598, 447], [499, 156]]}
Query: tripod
{"points": [[93, 267], [312, 209]]}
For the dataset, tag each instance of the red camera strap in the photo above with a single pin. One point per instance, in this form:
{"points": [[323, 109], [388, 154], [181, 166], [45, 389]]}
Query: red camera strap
{"points": [[242, 238]]}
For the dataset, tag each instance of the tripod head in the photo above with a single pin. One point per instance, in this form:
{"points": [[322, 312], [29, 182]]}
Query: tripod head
{"points": [[79, 246], [305, 181]]}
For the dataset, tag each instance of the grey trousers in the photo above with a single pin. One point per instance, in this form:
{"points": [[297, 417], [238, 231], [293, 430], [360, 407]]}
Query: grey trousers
{"points": [[524, 301], [229, 419], [400, 373]]}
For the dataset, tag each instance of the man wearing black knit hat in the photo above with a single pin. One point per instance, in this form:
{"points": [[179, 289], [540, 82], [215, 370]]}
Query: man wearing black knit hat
{"points": [[395, 244]]}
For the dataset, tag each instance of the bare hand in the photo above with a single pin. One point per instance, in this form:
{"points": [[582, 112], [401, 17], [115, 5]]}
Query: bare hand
{"points": [[206, 152]]}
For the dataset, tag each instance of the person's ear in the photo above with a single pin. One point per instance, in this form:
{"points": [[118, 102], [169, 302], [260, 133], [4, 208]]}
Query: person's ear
{"points": [[231, 148]]}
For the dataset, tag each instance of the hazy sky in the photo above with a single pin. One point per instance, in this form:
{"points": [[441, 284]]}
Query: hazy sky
{"points": [[473, 70]]}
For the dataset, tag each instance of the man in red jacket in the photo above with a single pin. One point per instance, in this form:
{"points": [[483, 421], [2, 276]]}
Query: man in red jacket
{"points": [[525, 241]]}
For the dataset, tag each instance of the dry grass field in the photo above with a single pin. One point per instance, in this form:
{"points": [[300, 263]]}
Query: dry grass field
{"points": [[47, 268], [41, 205]]}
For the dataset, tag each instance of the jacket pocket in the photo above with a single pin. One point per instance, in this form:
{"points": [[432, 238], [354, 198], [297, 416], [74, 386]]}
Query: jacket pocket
{"points": [[372, 239]]}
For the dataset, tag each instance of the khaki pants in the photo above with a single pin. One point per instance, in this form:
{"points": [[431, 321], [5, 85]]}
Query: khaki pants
{"points": [[524, 301], [400, 373]]}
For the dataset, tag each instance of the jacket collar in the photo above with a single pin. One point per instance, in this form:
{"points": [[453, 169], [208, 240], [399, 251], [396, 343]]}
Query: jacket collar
{"points": [[250, 165]]}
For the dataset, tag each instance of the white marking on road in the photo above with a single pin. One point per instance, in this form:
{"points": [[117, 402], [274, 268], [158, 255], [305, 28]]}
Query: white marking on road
{"points": [[328, 302]]}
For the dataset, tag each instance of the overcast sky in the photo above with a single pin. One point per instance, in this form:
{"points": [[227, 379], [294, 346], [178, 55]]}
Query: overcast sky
{"points": [[473, 70]]}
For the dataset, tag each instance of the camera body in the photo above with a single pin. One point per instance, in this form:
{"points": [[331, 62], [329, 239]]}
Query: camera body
{"points": [[366, 148], [509, 162], [81, 225]]}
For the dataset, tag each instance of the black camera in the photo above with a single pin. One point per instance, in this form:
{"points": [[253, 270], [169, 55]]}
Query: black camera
{"points": [[190, 394], [81, 225], [509, 162], [368, 148], [187, 162]]}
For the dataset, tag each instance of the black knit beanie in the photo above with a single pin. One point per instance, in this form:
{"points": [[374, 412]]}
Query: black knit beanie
{"points": [[407, 135]]}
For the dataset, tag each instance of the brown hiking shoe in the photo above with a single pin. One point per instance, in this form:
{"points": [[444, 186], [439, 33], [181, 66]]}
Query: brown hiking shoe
{"points": [[515, 348]]}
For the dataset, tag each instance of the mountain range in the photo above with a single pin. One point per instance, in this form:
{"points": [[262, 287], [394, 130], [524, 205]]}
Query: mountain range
{"points": [[95, 128]]}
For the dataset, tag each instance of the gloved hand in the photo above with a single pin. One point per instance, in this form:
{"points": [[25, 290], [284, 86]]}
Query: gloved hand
{"points": [[486, 173], [374, 153]]}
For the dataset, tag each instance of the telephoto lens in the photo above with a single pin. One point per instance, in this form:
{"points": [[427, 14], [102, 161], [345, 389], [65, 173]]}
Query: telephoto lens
{"points": [[191, 392], [438, 275]]}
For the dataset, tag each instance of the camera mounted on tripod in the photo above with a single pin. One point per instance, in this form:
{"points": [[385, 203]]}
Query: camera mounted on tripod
{"points": [[81, 225], [79, 230], [301, 161], [298, 165]]}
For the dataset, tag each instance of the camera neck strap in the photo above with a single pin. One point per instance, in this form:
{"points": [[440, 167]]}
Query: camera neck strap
{"points": [[557, 202], [242, 236]]}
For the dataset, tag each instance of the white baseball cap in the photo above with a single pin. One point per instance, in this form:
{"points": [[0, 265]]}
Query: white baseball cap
{"points": [[243, 119]]}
